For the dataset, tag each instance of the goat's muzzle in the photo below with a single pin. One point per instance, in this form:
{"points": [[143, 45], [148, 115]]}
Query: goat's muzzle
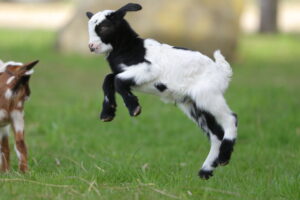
{"points": [[92, 47]]}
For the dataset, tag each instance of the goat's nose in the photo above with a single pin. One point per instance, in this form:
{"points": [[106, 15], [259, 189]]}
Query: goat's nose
{"points": [[91, 46]]}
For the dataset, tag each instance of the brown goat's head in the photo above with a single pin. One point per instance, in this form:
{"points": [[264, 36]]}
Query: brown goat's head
{"points": [[14, 84]]}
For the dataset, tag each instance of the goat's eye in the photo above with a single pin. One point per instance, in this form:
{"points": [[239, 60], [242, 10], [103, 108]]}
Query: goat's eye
{"points": [[103, 28]]}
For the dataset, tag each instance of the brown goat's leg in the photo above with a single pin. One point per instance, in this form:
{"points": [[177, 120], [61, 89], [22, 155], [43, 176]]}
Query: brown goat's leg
{"points": [[4, 149], [21, 152], [20, 146], [5, 154]]}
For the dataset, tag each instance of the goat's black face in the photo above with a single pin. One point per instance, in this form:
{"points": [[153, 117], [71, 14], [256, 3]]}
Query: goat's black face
{"points": [[104, 26]]}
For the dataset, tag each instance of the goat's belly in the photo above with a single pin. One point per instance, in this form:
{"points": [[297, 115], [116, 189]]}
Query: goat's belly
{"points": [[160, 90], [149, 88]]}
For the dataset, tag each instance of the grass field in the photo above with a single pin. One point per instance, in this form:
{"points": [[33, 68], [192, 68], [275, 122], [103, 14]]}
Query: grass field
{"points": [[73, 155]]}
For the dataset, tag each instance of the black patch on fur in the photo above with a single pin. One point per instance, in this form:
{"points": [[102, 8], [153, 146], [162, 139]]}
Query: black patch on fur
{"points": [[200, 119], [161, 87], [182, 48], [213, 125], [236, 119], [207, 121], [205, 174], [215, 163], [225, 151]]}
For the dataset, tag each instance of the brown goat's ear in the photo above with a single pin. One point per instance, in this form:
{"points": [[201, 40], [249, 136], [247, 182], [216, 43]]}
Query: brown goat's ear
{"points": [[30, 65]]}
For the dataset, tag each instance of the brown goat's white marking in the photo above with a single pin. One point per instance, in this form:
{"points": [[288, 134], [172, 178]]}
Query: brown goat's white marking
{"points": [[10, 80], [18, 120], [3, 115], [19, 105], [29, 72], [4, 131], [8, 94], [17, 152]]}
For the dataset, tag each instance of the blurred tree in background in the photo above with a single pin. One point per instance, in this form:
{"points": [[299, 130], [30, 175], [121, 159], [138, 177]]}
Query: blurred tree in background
{"points": [[204, 25], [268, 16]]}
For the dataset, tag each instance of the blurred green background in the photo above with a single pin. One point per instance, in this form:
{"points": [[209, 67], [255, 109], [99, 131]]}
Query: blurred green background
{"points": [[73, 155]]}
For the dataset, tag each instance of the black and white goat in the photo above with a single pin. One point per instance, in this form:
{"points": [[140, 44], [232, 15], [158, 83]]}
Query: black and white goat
{"points": [[188, 78]]}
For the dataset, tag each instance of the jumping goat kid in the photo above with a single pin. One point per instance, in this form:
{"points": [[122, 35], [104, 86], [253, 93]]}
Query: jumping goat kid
{"points": [[187, 78], [14, 91]]}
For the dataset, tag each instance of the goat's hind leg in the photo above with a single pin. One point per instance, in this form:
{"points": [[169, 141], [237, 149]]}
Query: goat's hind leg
{"points": [[4, 149], [222, 122], [215, 134], [198, 116], [109, 103], [20, 146]]}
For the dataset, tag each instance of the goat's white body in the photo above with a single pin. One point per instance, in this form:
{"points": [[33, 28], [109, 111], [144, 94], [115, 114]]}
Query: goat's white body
{"points": [[184, 72], [187, 75]]}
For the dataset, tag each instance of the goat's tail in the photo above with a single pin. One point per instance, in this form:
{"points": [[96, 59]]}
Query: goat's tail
{"points": [[223, 64]]}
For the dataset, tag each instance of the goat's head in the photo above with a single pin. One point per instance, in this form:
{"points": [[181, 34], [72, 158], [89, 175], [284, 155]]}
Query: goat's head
{"points": [[103, 27], [14, 82]]}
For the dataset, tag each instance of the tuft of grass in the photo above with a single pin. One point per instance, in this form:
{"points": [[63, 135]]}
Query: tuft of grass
{"points": [[72, 155]]}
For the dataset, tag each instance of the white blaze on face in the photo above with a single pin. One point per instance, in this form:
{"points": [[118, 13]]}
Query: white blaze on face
{"points": [[94, 40]]}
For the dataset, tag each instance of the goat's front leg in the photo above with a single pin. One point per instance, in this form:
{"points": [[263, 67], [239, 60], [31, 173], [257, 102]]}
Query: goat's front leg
{"points": [[20, 146], [4, 149], [135, 76], [109, 103], [123, 87]]}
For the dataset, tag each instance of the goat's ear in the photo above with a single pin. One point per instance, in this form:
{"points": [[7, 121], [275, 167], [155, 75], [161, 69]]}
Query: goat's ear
{"points": [[130, 7], [30, 65], [89, 15], [121, 12]]}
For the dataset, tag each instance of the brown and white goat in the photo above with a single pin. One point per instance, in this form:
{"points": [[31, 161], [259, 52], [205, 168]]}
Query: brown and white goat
{"points": [[14, 91]]}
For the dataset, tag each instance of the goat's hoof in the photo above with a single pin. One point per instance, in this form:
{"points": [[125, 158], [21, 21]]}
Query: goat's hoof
{"points": [[106, 117], [223, 163], [23, 168], [6, 170], [205, 174], [136, 111]]}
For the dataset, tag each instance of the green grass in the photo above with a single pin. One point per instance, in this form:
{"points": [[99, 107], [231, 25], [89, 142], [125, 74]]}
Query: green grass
{"points": [[73, 155]]}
